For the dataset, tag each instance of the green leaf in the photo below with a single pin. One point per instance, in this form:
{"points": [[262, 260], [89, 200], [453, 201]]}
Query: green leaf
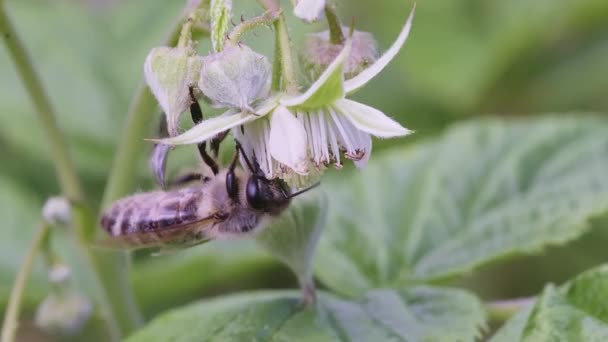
{"points": [[293, 237], [481, 192], [417, 314], [573, 312]]}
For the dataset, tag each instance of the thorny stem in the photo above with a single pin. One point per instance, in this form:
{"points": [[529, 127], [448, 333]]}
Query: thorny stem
{"points": [[112, 294], [336, 36], [11, 318], [238, 31], [502, 310]]}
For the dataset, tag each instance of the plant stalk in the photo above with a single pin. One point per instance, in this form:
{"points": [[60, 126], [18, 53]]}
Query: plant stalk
{"points": [[336, 36], [245, 26], [288, 69], [112, 293], [11, 318]]}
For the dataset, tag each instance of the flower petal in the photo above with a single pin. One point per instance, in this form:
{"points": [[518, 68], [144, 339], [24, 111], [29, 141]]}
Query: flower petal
{"points": [[361, 79], [169, 72], [328, 88], [309, 10], [288, 140], [369, 119], [235, 77], [254, 137], [209, 128]]}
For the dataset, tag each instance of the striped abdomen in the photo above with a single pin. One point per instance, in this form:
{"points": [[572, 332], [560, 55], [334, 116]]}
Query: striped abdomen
{"points": [[156, 216]]}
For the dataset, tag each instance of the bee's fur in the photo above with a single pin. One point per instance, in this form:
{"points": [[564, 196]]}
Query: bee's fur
{"points": [[190, 215]]}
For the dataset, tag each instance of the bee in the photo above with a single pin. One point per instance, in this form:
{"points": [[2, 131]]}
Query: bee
{"points": [[232, 203]]}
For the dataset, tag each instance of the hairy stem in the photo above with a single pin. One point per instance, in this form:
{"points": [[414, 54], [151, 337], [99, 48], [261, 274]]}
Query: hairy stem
{"points": [[112, 295], [502, 310], [336, 36], [11, 318], [245, 26], [288, 70]]}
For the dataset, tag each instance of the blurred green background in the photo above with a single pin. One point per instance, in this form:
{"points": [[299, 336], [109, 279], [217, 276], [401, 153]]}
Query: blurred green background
{"points": [[464, 59]]}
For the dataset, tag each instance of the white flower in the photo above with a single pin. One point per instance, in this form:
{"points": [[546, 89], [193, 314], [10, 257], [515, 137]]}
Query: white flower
{"points": [[169, 72], [296, 137], [309, 10]]}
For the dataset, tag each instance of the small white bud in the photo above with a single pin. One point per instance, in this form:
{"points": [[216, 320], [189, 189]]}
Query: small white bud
{"points": [[59, 274], [319, 52], [169, 72], [309, 10], [63, 314], [235, 77], [57, 211]]}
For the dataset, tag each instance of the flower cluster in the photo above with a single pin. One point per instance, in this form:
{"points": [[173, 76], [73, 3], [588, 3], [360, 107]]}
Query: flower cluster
{"points": [[292, 135]]}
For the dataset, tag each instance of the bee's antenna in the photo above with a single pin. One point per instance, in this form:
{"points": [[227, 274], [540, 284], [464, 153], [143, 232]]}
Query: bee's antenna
{"points": [[305, 190], [239, 147]]}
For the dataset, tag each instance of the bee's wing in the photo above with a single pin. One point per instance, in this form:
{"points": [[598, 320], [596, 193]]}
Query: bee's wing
{"points": [[176, 236]]}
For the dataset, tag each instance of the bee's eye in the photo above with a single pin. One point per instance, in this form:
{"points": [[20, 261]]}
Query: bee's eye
{"points": [[254, 195], [232, 186]]}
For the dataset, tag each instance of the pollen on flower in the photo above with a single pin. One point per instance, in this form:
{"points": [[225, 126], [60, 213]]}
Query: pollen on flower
{"points": [[320, 52]]}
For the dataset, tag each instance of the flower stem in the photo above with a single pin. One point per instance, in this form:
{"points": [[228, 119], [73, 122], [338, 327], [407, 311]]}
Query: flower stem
{"points": [[11, 318], [336, 36], [65, 170], [288, 70], [112, 292], [238, 31], [502, 310]]}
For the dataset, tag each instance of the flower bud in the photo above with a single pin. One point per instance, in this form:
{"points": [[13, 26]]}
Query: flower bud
{"points": [[309, 10], [59, 274], [169, 72], [57, 211], [63, 314], [320, 52], [235, 77]]}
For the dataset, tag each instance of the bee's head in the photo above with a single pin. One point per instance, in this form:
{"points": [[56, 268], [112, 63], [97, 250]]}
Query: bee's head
{"points": [[269, 196]]}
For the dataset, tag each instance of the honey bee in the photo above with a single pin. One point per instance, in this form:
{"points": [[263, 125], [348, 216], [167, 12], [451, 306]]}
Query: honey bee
{"points": [[233, 202]]}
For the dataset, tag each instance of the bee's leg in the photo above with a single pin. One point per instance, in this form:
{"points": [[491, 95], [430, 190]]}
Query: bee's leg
{"points": [[216, 141], [159, 155], [197, 116], [187, 178], [253, 167]]}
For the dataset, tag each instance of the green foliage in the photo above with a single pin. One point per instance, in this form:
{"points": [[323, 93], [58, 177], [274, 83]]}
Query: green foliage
{"points": [[573, 312], [293, 237], [482, 191], [417, 314]]}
